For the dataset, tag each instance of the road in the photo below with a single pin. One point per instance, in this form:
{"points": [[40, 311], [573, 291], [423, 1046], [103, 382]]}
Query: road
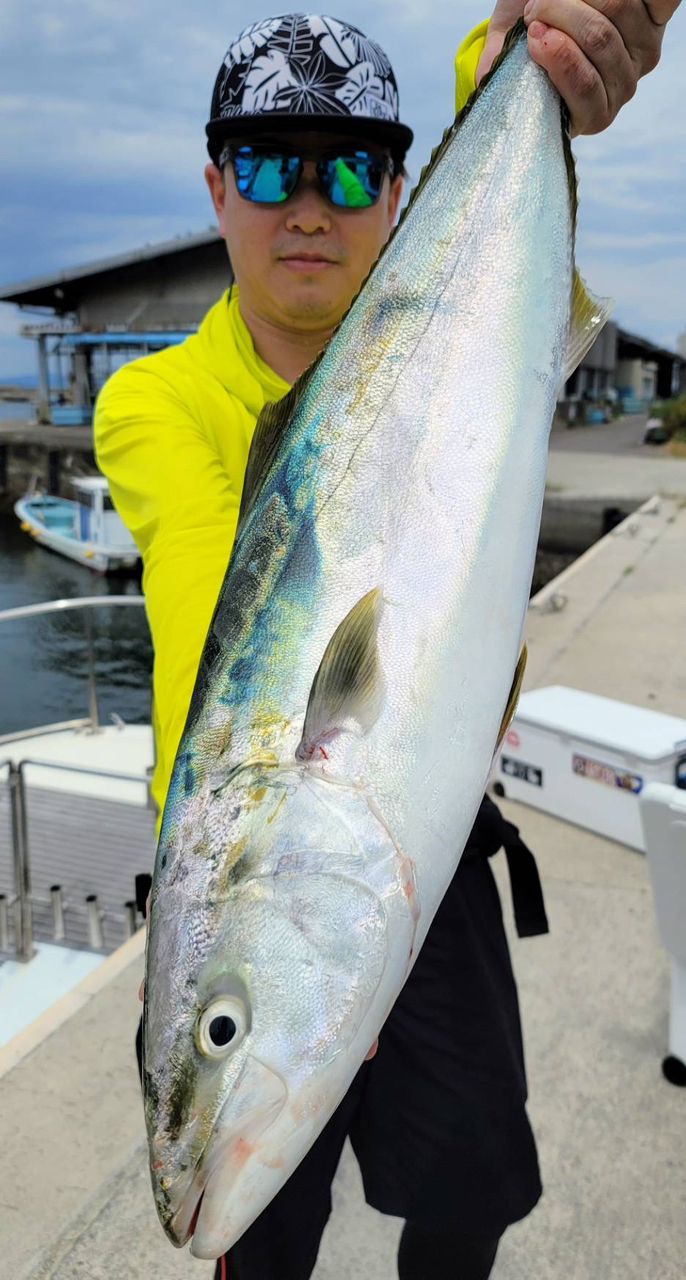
{"points": [[610, 464], [625, 436]]}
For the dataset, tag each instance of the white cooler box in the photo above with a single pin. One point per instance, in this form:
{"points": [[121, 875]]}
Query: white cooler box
{"points": [[586, 759], [663, 812]]}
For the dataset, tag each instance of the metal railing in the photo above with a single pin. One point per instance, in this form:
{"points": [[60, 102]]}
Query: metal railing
{"points": [[21, 871], [21, 902], [85, 603]]}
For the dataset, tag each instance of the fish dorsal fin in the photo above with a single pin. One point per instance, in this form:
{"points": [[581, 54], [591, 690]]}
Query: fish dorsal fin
{"points": [[513, 697], [269, 431], [348, 689], [588, 315]]}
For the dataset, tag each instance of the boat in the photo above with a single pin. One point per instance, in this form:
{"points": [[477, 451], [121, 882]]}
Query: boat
{"points": [[86, 529]]}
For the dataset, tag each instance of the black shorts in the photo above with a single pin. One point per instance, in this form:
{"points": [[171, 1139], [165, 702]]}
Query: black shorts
{"points": [[440, 1131]]}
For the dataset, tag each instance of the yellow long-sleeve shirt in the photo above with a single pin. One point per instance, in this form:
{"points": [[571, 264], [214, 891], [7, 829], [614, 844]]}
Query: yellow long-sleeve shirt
{"points": [[172, 434]]}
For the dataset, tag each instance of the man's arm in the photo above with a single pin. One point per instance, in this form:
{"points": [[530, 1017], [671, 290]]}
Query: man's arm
{"points": [[595, 51], [173, 493]]}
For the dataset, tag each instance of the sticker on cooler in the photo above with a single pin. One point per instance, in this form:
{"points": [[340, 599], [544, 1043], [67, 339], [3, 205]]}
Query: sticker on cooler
{"points": [[598, 771], [519, 769]]}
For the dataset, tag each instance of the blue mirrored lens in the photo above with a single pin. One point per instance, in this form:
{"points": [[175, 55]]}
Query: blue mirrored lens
{"points": [[265, 178], [352, 181]]}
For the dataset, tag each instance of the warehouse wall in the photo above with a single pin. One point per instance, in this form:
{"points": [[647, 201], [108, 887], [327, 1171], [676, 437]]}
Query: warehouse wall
{"points": [[171, 292]]}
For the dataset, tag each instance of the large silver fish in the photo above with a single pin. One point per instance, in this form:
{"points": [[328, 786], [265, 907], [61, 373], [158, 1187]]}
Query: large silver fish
{"points": [[357, 670]]}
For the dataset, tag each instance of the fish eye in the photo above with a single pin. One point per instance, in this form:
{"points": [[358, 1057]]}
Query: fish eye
{"points": [[221, 1027]]}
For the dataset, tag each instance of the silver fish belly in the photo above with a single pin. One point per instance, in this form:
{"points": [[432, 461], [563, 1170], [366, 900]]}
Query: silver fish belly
{"points": [[358, 666]]}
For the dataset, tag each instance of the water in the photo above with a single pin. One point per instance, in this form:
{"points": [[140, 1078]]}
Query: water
{"points": [[16, 411], [29, 381], [43, 661]]}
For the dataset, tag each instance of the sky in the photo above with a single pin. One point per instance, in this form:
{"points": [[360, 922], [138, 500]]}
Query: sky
{"points": [[102, 114]]}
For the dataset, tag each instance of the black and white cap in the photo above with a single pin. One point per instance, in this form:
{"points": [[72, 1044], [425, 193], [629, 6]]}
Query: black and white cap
{"points": [[306, 71]]}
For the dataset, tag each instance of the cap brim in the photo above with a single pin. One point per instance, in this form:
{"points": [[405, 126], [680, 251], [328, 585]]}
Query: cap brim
{"points": [[398, 137]]}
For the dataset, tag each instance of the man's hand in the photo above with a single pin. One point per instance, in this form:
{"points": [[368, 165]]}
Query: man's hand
{"points": [[595, 51]]}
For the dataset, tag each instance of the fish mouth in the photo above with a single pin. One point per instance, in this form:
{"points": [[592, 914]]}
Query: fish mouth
{"points": [[249, 1110]]}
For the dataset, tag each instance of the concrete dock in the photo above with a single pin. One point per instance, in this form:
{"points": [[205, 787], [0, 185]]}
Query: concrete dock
{"points": [[74, 1192], [17, 431], [38, 451]]}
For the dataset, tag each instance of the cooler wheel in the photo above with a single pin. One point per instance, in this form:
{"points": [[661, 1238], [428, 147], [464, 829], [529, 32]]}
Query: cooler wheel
{"points": [[674, 1070]]}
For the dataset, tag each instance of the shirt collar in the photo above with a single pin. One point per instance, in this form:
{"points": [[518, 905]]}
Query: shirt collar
{"points": [[228, 351]]}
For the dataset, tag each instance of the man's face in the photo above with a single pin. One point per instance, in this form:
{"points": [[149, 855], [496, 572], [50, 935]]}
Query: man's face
{"points": [[299, 264]]}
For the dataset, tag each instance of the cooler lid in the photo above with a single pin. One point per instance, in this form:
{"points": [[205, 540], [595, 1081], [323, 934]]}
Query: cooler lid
{"points": [[650, 735]]}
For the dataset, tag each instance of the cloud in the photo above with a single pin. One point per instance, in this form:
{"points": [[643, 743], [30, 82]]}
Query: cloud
{"points": [[102, 113], [645, 241]]}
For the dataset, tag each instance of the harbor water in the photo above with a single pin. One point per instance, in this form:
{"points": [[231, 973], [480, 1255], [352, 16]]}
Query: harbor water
{"points": [[43, 660], [15, 410]]}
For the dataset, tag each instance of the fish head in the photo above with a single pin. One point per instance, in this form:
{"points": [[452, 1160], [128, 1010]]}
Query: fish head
{"points": [[264, 993]]}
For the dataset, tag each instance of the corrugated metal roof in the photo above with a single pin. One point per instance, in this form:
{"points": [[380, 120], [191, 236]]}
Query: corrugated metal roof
{"points": [[26, 290]]}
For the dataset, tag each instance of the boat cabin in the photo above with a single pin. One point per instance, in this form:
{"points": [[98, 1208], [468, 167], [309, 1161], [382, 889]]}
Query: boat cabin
{"points": [[98, 520]]}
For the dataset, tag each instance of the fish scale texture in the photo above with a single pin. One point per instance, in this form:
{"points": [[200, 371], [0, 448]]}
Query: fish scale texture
{"points": [[413, 465]]}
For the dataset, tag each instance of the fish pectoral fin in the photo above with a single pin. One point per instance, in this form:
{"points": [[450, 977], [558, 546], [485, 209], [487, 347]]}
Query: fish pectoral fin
{"points": [[348, 689], [513, 697], [588, 315]]}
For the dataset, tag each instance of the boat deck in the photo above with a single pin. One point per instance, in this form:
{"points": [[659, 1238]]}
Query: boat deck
{"points": [[86, 844], [89, 826]]}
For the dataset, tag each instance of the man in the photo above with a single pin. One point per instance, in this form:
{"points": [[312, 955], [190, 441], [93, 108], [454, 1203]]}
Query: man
{"points": [[306, 179]]}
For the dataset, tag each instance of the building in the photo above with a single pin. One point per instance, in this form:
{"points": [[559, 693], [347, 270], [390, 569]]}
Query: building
{"points": [[621, 369], [593, 383], [91, 319], [646, 371], [88, 321]]}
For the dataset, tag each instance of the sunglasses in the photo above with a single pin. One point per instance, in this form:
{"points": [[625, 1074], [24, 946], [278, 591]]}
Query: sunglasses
{"points": [[269, 174]]}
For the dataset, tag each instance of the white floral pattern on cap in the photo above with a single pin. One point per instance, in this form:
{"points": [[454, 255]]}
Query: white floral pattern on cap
{"points": [[305, 64]]}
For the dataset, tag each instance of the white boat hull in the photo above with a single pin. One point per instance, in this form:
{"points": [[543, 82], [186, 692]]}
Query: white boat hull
{"points": [[96, 556]]}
